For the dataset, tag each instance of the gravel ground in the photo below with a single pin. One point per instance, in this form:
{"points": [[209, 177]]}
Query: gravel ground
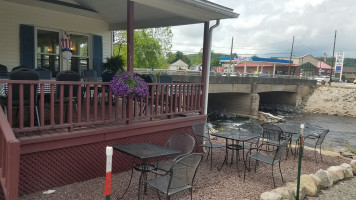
{"points": [[209, 184], [343, 190]]}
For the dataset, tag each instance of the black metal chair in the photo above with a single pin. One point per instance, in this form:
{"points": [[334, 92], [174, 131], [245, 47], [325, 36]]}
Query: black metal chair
{"points": [[67, 76], [315, 140], [273, 135], [179, 177], [203, 140], [88, 74], [165, 78], [4, 75], [272, 158], [3, 68], [23, 74], [179, 141], [19, 67], [253, 129], [44, 73], [107, 76]]}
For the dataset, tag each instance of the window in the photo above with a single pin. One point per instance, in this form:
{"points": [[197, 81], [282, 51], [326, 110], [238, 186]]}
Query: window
{"points": [[48, 50], [80, 55]]}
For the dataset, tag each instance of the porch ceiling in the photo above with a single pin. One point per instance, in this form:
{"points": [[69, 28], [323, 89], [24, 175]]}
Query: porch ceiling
{"points": [[158, 13]]}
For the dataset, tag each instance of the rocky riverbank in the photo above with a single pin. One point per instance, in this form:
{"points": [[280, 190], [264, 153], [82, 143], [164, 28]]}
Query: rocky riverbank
{"points": [[331, 101]]}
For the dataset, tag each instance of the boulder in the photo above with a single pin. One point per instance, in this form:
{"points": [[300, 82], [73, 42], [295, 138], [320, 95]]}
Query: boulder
{"points": [[336, 173], [353, 166], [325, 179], [285, 193], [347, 170], [307, 181], [293, 187], [316, 180], [270, 196]]}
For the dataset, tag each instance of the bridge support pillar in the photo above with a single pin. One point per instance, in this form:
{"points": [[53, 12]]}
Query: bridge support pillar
{"points": [[254, 100]]}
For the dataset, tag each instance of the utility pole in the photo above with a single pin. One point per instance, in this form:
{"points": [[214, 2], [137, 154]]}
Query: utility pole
{"points": [[290, 58], [232, 44], [332, 62]]}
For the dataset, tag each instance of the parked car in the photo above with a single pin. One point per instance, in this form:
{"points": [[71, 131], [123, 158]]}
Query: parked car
{"points": [[322, 78], [199, 68]]}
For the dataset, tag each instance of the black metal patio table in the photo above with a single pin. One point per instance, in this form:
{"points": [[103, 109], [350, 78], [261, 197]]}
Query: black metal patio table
{"points": [[144, 152], [237, 135]]}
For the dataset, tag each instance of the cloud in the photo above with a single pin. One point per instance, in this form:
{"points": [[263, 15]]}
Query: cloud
{"points": [[266, 28]]}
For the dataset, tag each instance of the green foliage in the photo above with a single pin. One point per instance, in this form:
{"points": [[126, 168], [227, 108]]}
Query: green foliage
{"points": [[150, 46], [348, 62], [114, 63], [349, 148]]}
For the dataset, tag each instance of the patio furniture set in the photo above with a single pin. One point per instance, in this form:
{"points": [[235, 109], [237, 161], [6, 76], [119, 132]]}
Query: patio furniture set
{"points": [[264, 143]]}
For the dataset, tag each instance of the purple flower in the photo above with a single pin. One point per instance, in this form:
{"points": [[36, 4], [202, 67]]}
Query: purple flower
{"points": [[125, 83]]}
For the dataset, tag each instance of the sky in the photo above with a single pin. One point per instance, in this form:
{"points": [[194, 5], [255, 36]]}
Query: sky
{"points": [[266, 29]]}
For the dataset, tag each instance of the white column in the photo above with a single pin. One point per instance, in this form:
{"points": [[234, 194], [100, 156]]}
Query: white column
{"points": [[258, 65], [262, 69], [274, 69]]}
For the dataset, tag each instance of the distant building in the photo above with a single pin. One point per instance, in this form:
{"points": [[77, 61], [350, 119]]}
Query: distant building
{"points": [[349, 73], [178, 65]]}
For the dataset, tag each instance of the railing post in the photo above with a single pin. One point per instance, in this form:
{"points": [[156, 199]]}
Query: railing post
{"points": [[13, 170]]}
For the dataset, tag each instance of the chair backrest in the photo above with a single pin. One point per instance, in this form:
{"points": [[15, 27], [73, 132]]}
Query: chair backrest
{"points": [[19, 67], [198, 130], [89, 73], [67, 76], [44, 73], [280, 149], [184, 170], [4, 75], [272, 132], [322, 137], [253, 128], [23, 74], [3, 68], [107, 76], [165, 79], [182, 142]]}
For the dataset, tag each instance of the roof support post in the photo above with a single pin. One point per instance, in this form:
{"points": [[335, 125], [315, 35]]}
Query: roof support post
{"points": [[274, 69], [130, 55], [130, 35], [205, 70]]}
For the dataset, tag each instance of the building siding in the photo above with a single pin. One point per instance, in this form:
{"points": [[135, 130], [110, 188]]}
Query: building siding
{"points": [[14, 14]]}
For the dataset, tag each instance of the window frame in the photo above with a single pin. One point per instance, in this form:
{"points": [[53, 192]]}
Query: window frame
{"points": [[89, 57]]}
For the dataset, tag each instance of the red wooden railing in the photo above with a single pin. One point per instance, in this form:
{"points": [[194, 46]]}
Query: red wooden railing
{"points": [[9, 159], [56, 111]]}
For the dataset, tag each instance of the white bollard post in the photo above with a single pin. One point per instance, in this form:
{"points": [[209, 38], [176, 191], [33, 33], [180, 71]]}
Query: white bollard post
{"points": [[109, 153]]}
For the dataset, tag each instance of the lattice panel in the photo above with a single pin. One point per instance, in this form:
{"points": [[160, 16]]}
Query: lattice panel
{"points": [[48, 169]]}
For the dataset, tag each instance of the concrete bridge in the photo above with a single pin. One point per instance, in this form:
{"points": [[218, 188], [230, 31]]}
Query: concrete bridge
{"points": [[243, 95]]}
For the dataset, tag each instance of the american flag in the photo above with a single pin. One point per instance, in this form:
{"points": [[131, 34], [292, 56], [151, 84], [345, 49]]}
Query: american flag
{"points": [[325, 55]]}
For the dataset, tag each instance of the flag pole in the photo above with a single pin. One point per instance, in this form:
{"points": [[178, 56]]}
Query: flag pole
{"points": [[300, 159]]}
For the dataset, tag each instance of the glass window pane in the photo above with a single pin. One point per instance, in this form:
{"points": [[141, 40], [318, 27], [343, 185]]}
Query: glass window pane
{"points": [[79, 64], [79, 45], [47, 41], [50, 62]]}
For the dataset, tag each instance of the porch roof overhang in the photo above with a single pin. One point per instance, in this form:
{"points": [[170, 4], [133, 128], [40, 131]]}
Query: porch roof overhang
{"points": [[147, 14], [158, 13]]}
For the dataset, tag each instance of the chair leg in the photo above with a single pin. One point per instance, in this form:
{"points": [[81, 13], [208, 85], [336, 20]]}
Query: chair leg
{"points": [[321, 156], [191, 193], [274, 184], [316, 161], [280, 171]]}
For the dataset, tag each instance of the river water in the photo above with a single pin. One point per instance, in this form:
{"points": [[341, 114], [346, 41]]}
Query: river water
{"points": [[342, 130]]}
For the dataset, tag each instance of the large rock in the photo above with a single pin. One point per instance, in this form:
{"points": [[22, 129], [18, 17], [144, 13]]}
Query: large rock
{"points": [[353, 166], [293, 187], [270, 196], [347, 170], [325, 179], [310, 188], [286, 193], [336, 173], [316, 180]]}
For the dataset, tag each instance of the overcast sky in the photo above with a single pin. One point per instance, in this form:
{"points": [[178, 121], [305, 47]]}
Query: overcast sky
{"points": [[266, 29]]}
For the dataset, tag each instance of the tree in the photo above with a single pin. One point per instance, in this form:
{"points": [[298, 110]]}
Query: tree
{"points": [[150, 46]]}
